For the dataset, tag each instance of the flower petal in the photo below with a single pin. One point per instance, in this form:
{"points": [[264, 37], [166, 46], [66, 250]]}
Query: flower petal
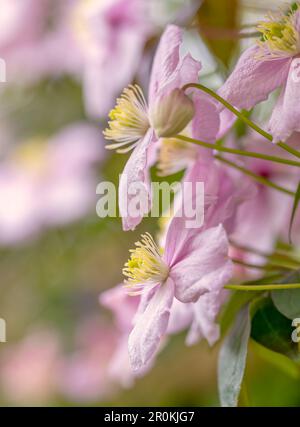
{"points": [[206, 122], [205, 266], [204, 325], [150, 326], [135, 180], [286, 115], [166, 59], [253, 79]]}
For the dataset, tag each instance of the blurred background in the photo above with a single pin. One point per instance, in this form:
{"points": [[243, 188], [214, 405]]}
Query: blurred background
{"points": [[66, 62]]}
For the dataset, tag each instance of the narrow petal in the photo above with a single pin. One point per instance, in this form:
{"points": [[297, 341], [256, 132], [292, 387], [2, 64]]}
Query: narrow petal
{"points": [[166, 58], [205, 266], [286, 115], [253, 79], [150, 326], [135, 176], [181, 317], [205, 311]]}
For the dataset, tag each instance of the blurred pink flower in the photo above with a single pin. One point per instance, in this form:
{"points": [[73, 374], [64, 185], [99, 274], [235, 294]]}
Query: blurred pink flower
{"points": [[265, 216], [46, 184], [84, 373], [262, 68], [28, 371], [110, 36]]}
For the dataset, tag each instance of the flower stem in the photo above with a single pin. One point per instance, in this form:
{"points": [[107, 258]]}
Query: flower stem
{"points": [[241, 116], [268, 267], [271, 287], [256, 177], [244, 153]]}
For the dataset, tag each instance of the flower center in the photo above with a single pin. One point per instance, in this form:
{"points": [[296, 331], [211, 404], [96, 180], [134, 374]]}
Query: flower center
{"points": [[145, 266], [129, 120], [280, 37], [174, 156]]}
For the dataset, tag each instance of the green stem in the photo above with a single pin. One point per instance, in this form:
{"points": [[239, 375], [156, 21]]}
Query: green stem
{"points": [[271, 287], [241, 116], [244, 153], [256, 177], [268, 267], [249, 265]]}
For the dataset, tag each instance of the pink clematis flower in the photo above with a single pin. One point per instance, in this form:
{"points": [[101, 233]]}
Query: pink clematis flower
{"points": [[274, 62], [194, 262], [137, 125]]}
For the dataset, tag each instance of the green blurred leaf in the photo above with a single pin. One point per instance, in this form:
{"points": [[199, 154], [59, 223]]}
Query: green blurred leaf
{"points": [[232, 359], [288, 301], [218, 24], [273, 330]]}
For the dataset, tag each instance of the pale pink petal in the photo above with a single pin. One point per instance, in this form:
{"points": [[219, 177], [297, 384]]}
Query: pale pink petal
{"points": [[206, 122], [205, 311], [166, 59], [135, 174], [122, 306], [150, 326], [204, 267], [254, 79], [181, 317], [286, 116]]}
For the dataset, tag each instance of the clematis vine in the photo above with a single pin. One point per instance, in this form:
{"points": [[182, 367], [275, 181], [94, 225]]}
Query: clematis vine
{"points": [[273, 62]]}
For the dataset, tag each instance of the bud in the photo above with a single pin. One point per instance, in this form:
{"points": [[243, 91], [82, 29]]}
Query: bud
{"points": [[171, 114]]}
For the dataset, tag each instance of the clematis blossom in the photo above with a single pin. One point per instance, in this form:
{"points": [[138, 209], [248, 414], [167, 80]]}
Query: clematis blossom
{"points": [[194, 262], [138, 125], [270, 64]]}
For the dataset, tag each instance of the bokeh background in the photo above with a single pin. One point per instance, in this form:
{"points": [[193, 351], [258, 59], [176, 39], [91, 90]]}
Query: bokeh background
{"points": [[65, 63]]}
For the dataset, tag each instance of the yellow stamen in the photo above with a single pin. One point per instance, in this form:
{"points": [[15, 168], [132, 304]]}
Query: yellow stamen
{"points": [[174, 156], [145, 266], [280, 37], [129, 119]]}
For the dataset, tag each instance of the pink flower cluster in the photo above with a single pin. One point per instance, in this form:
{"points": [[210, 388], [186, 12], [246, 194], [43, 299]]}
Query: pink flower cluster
{"points": [[178, 280]]}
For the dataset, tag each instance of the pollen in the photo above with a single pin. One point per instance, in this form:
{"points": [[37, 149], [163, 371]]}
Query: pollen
{"points": [[145, 266], [279, 36], [128, 120]]}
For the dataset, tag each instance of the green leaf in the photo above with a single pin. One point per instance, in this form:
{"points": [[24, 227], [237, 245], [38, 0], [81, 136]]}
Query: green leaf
{"points": [[295, 207], [234, 305], [279, 361], [288, 301], [272, 329], [232, 359]]}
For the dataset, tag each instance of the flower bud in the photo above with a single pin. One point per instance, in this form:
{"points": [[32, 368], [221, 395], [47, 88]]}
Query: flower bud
{"points": [[171, 114]]}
